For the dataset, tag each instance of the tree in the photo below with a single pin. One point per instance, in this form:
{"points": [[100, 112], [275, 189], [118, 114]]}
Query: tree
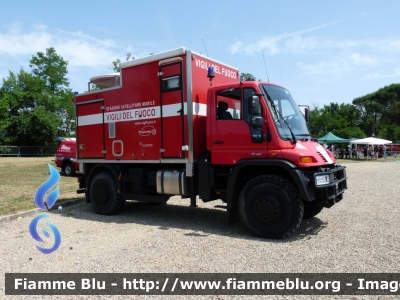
{"points": [[244, 76], [115, 65], [4, 121], [65, 112], [36, 107], [51, 68], [31, 112], [341, 119]]}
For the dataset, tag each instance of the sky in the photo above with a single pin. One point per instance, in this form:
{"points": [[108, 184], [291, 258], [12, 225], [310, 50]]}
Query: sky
{"points": [[322, 51]]}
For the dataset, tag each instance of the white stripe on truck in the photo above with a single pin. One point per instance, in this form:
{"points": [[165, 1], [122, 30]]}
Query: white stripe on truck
{"points": [[152, 112]]}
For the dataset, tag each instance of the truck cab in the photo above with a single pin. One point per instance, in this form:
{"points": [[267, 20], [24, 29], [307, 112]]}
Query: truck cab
{"points": [[261, 144], [270, 126]]}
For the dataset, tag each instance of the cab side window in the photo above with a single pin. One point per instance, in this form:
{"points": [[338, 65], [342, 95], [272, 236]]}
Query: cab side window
{"points": [[229, 104]]}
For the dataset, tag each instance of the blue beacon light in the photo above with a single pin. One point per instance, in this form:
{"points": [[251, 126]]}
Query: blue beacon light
{"points": [[211, 74]]}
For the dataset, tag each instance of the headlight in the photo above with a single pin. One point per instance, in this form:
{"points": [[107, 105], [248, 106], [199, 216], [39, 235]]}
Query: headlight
{"points": [[322, 180]]}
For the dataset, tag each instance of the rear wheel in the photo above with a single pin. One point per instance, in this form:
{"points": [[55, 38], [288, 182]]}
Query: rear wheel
{"points": [[69, 169], [270, 207], [103, 194]]}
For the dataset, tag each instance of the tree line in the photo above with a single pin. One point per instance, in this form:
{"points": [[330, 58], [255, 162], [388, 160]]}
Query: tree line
{"points": [[36, 106], [376, 114]]}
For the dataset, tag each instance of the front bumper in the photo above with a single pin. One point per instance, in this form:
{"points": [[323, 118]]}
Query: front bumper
{"points": [[331, 193], [327, 194]]}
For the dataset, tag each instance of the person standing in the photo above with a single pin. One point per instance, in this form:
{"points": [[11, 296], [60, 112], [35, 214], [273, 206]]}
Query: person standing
{"points": [[370, 150], [365, 152], [358, 152], [384, 152]]}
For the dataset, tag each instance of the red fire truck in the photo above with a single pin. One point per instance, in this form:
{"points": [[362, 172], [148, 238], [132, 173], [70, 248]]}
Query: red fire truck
{"points": [[393, 149], [65, 157], [180, 123]]}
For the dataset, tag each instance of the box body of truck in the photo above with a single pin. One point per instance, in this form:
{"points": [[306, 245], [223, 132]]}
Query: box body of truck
{"points": [[158, 114]]}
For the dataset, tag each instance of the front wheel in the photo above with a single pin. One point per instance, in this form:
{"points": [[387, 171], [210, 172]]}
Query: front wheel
{"points": [[270, 207], [103, 194]]}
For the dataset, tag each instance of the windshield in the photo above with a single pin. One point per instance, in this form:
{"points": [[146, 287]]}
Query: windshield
{"points": [[285, 113]]}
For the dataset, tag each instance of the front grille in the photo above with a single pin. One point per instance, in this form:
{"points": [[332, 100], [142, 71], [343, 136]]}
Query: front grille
{"points": [[333, 192]]}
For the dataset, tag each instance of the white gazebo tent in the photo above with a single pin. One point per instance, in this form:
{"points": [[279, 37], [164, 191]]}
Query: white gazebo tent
{"points": [[370, 141]]}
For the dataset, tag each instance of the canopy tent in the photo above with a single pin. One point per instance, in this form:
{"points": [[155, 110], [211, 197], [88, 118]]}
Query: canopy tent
{"points": [[350, 140], [331, 138], [371, 141]]}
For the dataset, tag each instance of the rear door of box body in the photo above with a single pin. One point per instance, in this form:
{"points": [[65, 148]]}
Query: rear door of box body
{"points": [[172, 110], [90, 129]]}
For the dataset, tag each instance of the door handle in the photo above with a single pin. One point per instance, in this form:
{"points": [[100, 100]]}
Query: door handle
{"points": [[219, 142]]}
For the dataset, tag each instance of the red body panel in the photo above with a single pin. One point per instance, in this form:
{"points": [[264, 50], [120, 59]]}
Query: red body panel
{"points": [[148, 117], [201, 84], [91, 136]]}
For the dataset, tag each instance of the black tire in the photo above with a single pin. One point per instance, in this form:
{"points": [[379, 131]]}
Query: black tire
{"points": [[270, 207], [103, 194], [68, 169], [311, 210]]}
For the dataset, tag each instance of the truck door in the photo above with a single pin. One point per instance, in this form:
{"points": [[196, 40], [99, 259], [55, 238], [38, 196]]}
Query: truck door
{"points": [[172, 110], [232, 136], [90, 129]]}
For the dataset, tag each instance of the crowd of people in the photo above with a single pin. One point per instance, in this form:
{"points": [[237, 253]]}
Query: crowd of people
{"points": [[368, 151]]}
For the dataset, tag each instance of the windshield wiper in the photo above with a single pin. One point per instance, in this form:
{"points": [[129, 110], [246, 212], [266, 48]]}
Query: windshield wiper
{"points": [[277, 112]]}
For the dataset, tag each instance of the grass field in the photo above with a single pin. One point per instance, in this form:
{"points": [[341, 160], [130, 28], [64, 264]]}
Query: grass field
{"points": [[21, 176]]}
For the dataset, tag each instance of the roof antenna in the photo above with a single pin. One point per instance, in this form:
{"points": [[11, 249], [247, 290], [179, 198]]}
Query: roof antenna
{"points": [[205, 47], [265, 64]]}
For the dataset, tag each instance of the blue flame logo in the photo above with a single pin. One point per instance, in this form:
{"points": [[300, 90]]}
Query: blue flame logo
{"points": [[45, 187], [39, 201]]}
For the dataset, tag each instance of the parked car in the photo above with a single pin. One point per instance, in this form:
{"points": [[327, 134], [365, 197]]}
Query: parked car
{"points": [[65, 157]]}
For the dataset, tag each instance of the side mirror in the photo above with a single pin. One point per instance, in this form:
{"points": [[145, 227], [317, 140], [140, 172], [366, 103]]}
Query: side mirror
{"points": [[305, 110], [257, 122], [254, 105]]}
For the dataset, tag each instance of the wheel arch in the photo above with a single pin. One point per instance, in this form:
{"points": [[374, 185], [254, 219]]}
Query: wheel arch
{"points": [[246, 170], [66, 160]]}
